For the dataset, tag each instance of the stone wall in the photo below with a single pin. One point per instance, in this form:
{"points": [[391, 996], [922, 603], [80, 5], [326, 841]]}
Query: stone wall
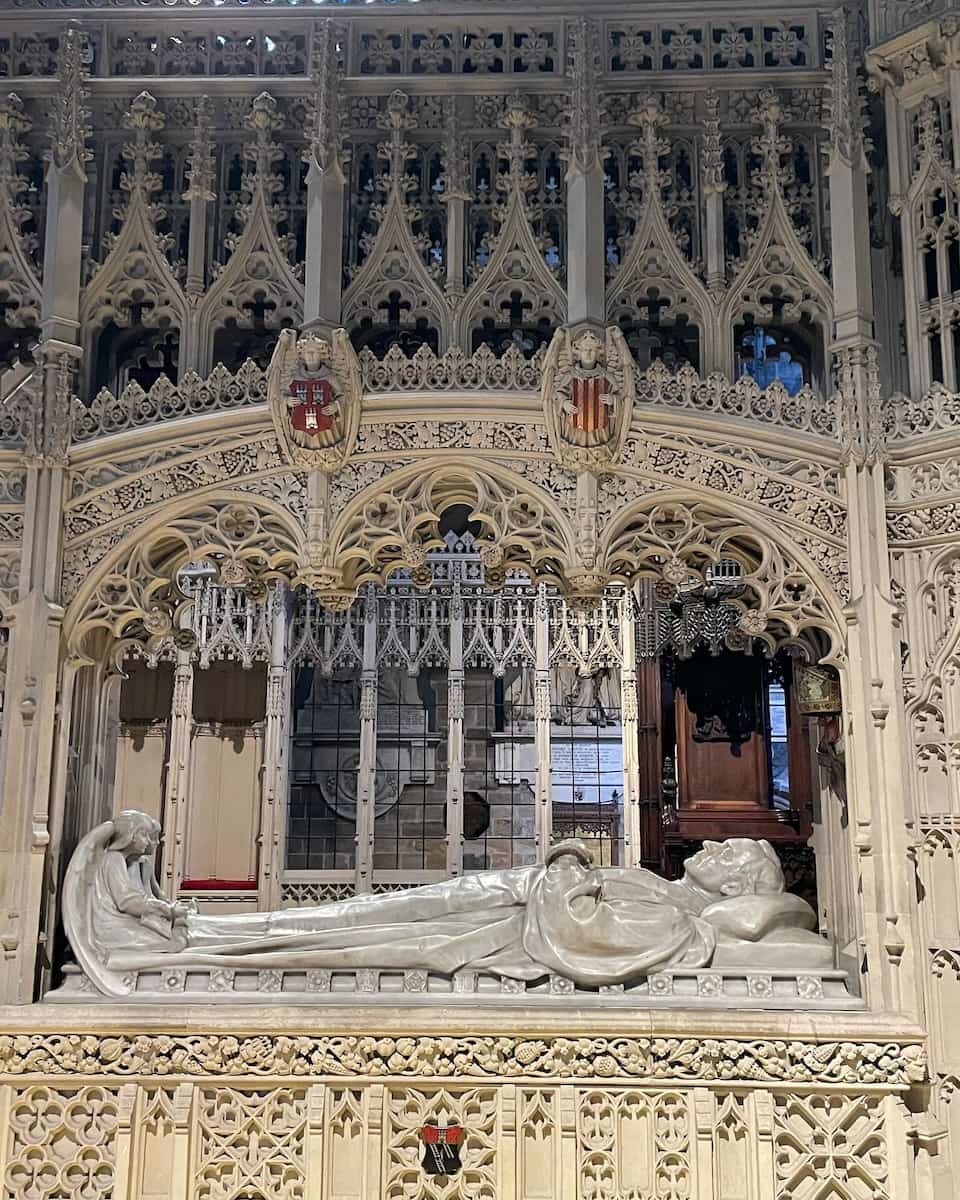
{"points": [[624, 1107]]}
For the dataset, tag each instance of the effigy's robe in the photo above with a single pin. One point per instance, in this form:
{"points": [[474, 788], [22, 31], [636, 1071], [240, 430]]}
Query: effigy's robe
{"points": [[596, 926], [522, 923]]}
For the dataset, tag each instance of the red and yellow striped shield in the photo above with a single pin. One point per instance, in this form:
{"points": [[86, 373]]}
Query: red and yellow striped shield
{"points": [[590, 412]]}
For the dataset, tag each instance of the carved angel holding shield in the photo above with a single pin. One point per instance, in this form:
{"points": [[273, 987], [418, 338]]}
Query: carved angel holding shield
{"points": [[589, 387], [314, 390]]}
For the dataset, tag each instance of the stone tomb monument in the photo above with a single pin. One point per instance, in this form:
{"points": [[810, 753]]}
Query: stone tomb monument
{"points": [[726, 932]]}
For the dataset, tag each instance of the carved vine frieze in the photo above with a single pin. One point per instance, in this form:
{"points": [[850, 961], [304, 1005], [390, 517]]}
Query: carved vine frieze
{"points": [[146, 483], [524, 438], [791, 498], [13, 484], [805, 469], [923, 523], [109, 472], [11, 526], [9, 582], [791, 1062], [167, 482]]}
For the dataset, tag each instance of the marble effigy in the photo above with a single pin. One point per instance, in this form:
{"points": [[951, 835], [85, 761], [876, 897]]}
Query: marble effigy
{"points": [[726, 932]]}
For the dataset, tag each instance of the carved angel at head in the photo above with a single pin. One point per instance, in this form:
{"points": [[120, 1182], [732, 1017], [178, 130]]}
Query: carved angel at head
{"points": [[587, 350], [313, 352], [588, 395], [314, 391]]}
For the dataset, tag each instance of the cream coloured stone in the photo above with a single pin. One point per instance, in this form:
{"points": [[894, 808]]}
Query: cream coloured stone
{"points": [[582, 925]]}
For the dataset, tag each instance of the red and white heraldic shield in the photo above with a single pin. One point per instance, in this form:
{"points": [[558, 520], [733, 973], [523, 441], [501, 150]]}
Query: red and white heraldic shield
{"points": [[309, 416]]}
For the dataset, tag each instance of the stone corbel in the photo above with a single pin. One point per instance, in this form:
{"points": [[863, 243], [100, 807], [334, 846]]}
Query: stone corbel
{"points": [[585, 575], [588, 394]]}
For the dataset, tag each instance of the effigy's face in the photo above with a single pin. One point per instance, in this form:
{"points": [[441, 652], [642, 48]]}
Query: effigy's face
{"points": [[719, 867]]}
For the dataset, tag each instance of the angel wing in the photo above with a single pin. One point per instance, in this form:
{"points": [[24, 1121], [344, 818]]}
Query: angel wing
{"points": [[281, 369], [556, 367], [78, 901], [283, 364], [345, 364], [284, 360], [620, 365]]}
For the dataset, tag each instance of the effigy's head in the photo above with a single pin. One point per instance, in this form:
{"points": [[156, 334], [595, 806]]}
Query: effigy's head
{"points": [[574, 849], [736, 867], [135, 833]]}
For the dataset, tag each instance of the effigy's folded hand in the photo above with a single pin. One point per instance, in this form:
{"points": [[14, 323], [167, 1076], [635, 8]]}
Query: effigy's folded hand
{"points": [[589, 887]]}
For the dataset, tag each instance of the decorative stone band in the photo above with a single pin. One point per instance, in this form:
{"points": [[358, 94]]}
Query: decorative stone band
{"points": [[822, 990], [457, 372], [789, 1063]]}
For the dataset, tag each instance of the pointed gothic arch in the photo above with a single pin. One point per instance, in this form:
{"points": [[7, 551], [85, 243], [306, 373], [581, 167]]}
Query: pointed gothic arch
{"points": [[136, 285], [393, 523], [133, 585], [778, 282], [668, 533]]}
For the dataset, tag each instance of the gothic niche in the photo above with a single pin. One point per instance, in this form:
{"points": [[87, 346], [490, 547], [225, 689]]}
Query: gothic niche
{"points": [[779, 352], [656, 333], [736, 750], [394, 329], [255, 338], [134, 355], [516, 328]]}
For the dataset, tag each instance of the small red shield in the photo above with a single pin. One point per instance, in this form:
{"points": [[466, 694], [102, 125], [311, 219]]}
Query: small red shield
{"points": [[441, 1148], [590, 409], [308, 415]]}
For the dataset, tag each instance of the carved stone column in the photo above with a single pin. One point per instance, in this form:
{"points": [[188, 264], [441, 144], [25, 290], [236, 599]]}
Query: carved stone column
{"points": [[586, 258], [326, 184], [542, 711], [199, 194], [880, 801], [273, 792], [847, 172], [65, 181], [32, 693], [714, 187], [630, 723], [456, 196], [176, 799], [367, 770], [455, 705], [877, 788]]}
